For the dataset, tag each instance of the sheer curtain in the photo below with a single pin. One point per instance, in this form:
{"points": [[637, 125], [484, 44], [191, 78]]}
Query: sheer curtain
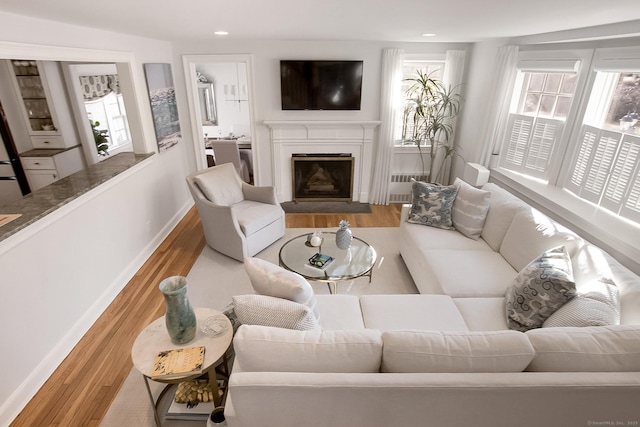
{"points": [[390, 100], [498, 105]]}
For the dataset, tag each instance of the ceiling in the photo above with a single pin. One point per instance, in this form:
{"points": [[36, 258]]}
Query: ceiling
{"points": [[382, 20]]}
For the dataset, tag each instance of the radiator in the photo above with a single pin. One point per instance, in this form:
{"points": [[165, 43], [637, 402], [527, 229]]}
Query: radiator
{"points": [[400, 186]]}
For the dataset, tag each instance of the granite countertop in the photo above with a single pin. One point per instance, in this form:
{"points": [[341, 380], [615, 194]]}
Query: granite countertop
{"points": [[38, 204], [45, 152]]}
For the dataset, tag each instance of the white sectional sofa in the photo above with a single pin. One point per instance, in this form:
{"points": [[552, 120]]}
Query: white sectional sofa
{"points": [[446, 357]]}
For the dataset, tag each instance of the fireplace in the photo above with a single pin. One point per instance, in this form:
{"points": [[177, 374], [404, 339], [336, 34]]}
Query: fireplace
{"points": [[322, 177]]}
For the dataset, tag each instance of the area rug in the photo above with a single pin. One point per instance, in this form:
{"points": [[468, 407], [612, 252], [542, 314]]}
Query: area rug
{"points": [[215, 278], [326, 207]]}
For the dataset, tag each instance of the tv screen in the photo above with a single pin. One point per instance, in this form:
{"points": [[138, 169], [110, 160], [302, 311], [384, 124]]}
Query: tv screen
{"points": [[320, 85]]}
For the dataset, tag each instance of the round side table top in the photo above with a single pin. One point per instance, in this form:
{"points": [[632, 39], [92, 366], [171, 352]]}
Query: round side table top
{"points": [[155, 338]]}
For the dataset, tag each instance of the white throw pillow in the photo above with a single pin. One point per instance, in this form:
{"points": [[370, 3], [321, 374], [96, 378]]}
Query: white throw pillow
{"points": [[437, 351], [539, 289], [596, 304], [272, 280], [470, 209], [260, 349], [277, 312], [592, 349]]}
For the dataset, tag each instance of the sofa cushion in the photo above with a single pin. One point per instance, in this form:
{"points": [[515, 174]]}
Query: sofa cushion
{"points": [[277, 312], [470, 209], [431, 204], [470, 273], [404, 312], [597, 303], [339, 311], [436, 351], [532, 233], [483, 314], [592, 349], [260, 349], [503, 207], [272, 280], [540, 289], [221, 185]]}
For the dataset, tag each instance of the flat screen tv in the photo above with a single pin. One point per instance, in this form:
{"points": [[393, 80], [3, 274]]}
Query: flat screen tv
{"points": [[321, 85]]}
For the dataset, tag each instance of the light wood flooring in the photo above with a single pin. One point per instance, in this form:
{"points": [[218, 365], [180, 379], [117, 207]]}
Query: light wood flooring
{"points": [[81, 390]]}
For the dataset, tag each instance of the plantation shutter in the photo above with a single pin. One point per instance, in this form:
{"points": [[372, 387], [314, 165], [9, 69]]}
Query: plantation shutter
{"points": [[541, 145], [622, 193], [518, 132], [530, 143]]}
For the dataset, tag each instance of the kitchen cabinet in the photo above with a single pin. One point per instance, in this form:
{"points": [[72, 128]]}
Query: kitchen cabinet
{"points": [[44, 167], [43, 97]]}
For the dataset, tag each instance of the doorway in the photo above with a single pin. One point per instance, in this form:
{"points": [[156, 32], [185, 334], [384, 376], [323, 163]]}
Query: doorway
{"points": [[230, 77]]}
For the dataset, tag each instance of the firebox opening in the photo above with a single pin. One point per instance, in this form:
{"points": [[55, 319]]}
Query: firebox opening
{"points": [[322, 177]]}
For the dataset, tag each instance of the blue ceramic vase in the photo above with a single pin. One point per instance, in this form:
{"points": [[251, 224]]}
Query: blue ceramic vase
{"points": [[180, 317]]}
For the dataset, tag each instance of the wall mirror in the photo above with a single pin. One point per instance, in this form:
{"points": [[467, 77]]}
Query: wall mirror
{"points": [[207, 99]]}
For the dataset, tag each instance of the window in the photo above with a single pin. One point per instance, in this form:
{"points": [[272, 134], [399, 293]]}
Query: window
{"points": [[591, 150], [606, 166], [405, 125], [543, 104]]}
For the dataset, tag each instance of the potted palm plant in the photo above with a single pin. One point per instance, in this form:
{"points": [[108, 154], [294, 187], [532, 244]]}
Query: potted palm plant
{"points": [[432, 106], [101, 137]]}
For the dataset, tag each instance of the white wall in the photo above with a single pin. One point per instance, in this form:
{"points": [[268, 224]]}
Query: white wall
{"points": [[266, 56], [59, 274]]}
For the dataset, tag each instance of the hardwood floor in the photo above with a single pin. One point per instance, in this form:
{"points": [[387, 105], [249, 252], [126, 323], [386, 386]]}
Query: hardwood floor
{"points": [[81, 390]]}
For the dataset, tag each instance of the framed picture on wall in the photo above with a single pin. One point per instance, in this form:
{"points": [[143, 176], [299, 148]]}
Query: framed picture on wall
{"points": [[163, 105]]}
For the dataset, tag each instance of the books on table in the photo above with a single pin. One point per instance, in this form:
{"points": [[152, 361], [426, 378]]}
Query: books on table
{"points": [[179, 362], [320, 261]]}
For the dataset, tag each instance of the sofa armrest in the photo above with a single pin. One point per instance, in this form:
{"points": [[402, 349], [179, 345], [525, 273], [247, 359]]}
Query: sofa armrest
{"points": [[404, 213]]}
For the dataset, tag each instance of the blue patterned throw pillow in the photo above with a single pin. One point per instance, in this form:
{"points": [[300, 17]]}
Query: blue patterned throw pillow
{"points": [[539, 290], [431, 204]]}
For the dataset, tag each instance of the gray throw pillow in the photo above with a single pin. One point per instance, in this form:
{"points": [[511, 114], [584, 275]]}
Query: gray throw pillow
{"points": [[541, 288], [431, 204]]}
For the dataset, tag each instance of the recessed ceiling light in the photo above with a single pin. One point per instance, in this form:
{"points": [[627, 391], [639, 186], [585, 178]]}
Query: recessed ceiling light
{"points": [[428, 35], [221, 33]]}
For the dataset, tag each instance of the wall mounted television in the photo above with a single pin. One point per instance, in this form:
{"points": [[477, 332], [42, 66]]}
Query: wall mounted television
{"points": [[320, 85]]}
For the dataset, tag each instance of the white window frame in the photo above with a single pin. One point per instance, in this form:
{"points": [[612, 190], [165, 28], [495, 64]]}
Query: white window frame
{"points": [[542, 147], [437, 58]]}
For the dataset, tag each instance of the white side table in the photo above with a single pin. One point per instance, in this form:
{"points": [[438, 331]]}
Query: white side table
{"points": [[155, 338]]}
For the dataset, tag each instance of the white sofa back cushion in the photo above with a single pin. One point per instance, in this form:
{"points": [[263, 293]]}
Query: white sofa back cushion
{"points": [[265, 349], [532, 233], [503, 207], [591, 349], [436, 351]]}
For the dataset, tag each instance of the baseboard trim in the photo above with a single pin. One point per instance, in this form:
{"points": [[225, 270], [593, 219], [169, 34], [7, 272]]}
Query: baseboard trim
{"points": [[32, 384]]}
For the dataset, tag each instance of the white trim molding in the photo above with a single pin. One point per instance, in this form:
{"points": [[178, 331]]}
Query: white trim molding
{"points": [[322, 137]]}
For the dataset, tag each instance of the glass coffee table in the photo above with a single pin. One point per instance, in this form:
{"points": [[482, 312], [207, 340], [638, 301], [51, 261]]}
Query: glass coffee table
{"points": [[348, 264]]}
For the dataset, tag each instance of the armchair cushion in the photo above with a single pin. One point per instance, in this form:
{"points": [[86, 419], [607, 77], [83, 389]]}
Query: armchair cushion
{"points": [[220, 185], [254, 216]]}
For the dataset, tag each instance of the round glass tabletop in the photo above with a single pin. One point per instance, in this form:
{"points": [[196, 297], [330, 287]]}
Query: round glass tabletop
{"points": [[347, 264]]}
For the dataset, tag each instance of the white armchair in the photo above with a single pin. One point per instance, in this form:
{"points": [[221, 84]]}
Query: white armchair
{"points": [[239, 219]]}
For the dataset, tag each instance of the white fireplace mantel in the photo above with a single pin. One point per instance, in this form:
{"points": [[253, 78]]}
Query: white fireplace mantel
{"points": [[322, 137]]}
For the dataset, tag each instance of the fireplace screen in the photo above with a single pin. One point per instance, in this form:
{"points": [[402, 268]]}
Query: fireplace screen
{"points": [[322, 177]]}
